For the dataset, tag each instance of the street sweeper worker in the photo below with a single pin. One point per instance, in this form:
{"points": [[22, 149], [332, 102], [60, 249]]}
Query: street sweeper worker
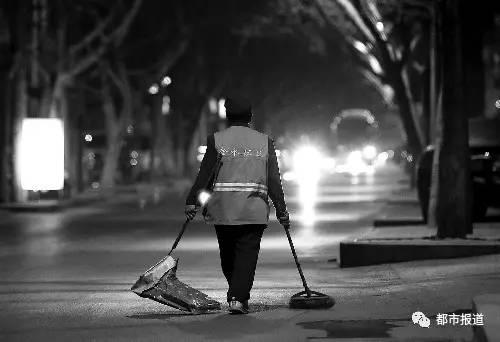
{"points": [[241, 171]]}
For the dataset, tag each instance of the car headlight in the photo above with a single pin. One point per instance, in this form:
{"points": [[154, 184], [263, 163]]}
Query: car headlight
{"points": [[355, 163], [307, 164], [355, 157], [369, 152], [306, 157]]}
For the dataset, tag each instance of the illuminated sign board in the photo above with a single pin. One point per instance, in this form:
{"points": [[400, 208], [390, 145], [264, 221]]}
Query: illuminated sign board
{"points": [[41, 154]]}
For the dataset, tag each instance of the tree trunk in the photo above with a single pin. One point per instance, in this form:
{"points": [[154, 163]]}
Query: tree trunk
{"points": [[111, 157], [114, 135], [180, 160], [115, 125], [4, 140], [452, 213], [70, 144], [163, 162], [59, 109], [404, 105], [407, 117], [5, 114], [20, 112]]}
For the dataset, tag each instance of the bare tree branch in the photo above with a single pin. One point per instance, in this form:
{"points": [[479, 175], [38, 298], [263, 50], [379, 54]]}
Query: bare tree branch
{"points": [[380, 86], [171, 56], [87, 62], [89, 38], [118, 80], [374, 16], [114, 37], [387, 59], [122, 30], [357, 19]]}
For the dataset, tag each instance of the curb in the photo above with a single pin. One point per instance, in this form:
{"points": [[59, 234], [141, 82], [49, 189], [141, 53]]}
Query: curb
{"points": [[53, 205], [371, 252], [411, 202], [489, 306], [404, 221], [48, 206]]}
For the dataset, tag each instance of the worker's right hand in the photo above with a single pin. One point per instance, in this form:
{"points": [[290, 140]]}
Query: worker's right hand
{"points": [[190, 211], [284, 219]]}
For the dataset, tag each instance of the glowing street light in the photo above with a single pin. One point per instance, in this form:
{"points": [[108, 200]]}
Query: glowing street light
{"points": [[88, 137], [153, 89], [166, 81], [369, 152], [374, 63], [380, 26], [360, 47], [165, 105]]}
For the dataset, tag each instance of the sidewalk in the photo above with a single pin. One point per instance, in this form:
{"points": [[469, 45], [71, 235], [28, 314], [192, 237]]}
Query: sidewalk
{"points": [[401, 209], [489, 306], [399, 234], [142, 193]]}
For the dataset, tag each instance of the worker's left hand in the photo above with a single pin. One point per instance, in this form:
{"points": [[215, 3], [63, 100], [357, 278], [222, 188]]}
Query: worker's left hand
{"points": [[190, 211], [284, 219]]}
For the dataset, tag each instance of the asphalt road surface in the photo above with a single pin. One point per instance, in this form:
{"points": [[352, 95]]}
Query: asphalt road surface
{"points": [[109, 244], [71, 271]]}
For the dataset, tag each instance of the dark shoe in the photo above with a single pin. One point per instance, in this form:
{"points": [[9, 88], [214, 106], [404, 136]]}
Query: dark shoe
{"points": [[237, 307]]}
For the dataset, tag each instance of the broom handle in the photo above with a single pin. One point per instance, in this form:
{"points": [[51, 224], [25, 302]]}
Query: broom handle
{"points": [[215, 170], [179, 236], [308, 291]]}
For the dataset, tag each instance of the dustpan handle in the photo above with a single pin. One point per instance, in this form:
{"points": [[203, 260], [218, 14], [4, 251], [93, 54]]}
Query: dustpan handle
{"points": [[184, 225]]}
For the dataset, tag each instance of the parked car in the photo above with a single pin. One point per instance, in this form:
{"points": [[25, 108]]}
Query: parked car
{"points": [[484, 147]]}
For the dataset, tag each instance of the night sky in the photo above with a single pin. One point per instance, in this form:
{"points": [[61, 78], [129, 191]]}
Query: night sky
{"points": [[298, 91], [293, 90]]}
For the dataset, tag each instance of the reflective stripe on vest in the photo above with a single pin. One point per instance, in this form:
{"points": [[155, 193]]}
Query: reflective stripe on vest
{"points": [[240, 190], [241, 187]]}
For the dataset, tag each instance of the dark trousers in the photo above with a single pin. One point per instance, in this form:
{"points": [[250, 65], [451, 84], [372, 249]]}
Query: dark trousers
{"points": [[239, 247]]}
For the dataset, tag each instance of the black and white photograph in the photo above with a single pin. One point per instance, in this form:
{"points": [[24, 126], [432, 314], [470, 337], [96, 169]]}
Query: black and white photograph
{"points": [[260, 170]]}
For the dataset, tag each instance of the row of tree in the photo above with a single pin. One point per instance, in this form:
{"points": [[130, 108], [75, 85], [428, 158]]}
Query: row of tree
{"points": [[104, 56], [95, 61], [422, 56]]}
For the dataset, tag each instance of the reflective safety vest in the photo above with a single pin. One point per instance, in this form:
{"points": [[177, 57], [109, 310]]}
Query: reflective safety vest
{"points": [[240, 189]]}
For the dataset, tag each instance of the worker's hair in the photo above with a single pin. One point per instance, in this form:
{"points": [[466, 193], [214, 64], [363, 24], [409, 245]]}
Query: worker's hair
{"points": [[238, 109]]}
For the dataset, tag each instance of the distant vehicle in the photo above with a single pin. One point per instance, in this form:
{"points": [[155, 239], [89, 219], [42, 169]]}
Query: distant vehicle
{"points": [[484, 147], [354, 138], [354, 128]]}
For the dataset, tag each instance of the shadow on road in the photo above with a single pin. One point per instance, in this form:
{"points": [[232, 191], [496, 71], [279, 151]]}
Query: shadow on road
{"points": [[167, 316], [355, 329], [223, 325], [174, 314], [226, 326], [490, 218]]}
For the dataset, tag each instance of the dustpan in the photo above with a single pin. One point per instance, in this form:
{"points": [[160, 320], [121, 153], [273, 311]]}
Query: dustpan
{"points": [[160, 283]]}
